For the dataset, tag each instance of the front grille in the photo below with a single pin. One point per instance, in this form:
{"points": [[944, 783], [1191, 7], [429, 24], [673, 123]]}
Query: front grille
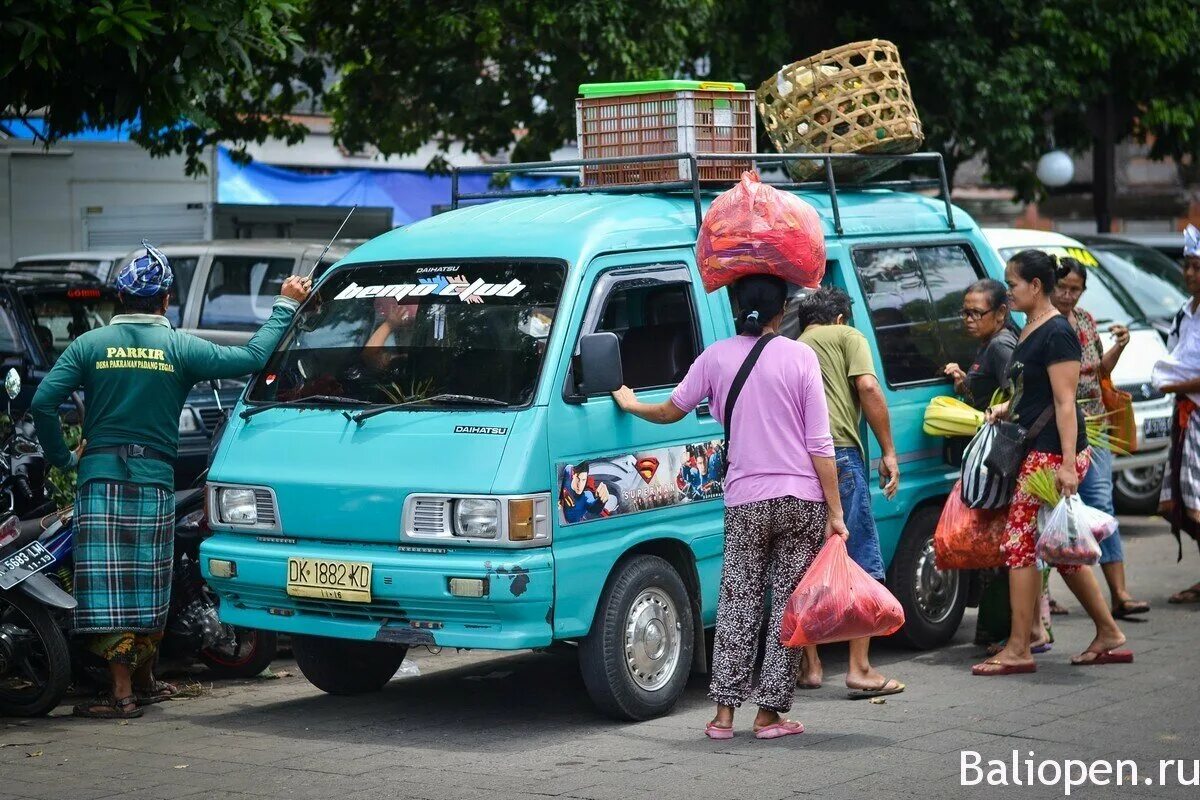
{"points": [[430, 517], [211, 417], [264, 504], [1142, 392]]}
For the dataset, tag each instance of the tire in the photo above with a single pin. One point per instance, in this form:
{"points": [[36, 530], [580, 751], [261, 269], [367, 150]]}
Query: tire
{"points": [[347, 666], [260, 647], [1135, 491], [53, 654], [933, 600], [632, 667]]}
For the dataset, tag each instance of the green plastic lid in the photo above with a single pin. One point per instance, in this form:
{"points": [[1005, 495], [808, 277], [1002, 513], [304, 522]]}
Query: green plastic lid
{"points": [[647, 87]]}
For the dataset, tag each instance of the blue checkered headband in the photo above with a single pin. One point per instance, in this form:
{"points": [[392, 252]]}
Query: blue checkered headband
{"points": [[1191, 241], [147, 275]]}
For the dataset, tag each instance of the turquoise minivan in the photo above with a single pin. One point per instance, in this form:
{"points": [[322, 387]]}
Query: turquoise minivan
{"points": [[431, 456]]}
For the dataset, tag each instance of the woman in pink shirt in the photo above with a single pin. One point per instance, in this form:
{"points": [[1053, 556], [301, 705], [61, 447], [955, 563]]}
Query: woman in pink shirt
{"points": [[781, 496]]}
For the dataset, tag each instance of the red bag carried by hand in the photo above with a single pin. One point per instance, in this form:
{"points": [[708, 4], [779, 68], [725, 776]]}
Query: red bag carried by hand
{"points": [[837, 601], [968, 538], [755, 229]]}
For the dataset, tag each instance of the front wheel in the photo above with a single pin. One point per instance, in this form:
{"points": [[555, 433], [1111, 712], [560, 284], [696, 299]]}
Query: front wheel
{"points": [[636, 660], [35, 663], [244, 653], [1135, 491], [347, 666], [934, 600]]}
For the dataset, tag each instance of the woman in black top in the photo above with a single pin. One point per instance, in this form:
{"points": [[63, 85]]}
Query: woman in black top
{"points": [[1045, 376], [985, 317]]}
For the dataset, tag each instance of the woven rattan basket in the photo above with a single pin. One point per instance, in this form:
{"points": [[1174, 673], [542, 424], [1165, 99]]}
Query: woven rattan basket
{"points": [[851, 99]]}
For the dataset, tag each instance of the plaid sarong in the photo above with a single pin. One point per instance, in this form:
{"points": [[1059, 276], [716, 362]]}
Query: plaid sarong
{"points": [[123, 552]]}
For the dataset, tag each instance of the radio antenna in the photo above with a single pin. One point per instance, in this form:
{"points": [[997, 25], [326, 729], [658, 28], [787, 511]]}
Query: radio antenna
{"points": [[334, 239]]}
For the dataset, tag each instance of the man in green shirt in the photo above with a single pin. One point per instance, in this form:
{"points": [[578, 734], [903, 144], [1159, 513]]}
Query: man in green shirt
{"points": [[135, 374], [851, 390]]}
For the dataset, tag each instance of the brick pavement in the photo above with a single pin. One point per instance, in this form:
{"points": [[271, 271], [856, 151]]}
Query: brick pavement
{"points": [[520, 726]]}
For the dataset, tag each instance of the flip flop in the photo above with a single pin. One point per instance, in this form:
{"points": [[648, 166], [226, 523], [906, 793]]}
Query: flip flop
{"points": [[808, 687], [882, 690], [1103, 657], [776, 730], [159, 692], [109, 708], [1004, 669], [1187, 596], [717, 732], [1057, 610], [1127, 608]]}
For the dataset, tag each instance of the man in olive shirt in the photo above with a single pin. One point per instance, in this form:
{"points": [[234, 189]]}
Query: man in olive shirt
{"points": [[135, 373], [851, 388]]}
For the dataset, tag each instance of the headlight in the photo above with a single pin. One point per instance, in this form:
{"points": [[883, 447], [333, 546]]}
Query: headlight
{"points": [[237, 506], [188, 423], [477, 518]]}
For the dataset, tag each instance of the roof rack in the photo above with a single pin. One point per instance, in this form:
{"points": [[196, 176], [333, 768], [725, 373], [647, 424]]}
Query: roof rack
{"points": [[568, 170]]}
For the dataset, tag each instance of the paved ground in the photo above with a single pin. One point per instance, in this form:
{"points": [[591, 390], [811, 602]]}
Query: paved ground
{"points": [[487, 725]]}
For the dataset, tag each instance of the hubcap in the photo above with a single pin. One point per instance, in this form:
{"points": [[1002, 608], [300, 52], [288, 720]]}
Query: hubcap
{"points": [[934, 590], [652, 639], [1141, 482]]}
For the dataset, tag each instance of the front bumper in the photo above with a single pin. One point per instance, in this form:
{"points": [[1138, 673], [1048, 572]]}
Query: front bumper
{"points": [[410, 595]]}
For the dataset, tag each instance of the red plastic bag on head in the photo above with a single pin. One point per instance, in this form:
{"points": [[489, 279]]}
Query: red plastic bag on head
{"points": [[755, 229], [837, 601], [968, 538]]}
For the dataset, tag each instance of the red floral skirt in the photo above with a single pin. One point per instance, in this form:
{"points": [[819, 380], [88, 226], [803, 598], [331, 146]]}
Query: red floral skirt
{"points": [[1021, 530]]}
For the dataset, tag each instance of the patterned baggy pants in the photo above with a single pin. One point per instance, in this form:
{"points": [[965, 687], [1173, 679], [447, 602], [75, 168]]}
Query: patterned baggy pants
{"points": [[771, 541]]}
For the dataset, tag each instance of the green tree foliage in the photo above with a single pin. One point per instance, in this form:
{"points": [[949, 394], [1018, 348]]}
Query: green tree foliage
{"points": [[184, 73], [488, 72], [1001, 77]]}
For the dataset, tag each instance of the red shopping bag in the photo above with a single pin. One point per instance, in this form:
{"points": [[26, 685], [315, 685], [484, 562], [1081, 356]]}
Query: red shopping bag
{"points": [[755, 229], [837, 601], [968, 538]]}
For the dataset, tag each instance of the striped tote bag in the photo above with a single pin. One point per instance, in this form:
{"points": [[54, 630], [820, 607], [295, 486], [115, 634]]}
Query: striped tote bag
{"points": [[981, 487]]}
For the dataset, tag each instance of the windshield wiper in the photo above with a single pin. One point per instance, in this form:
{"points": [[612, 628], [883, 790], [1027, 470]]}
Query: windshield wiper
{"points": [[460, 399], [312, 398]]}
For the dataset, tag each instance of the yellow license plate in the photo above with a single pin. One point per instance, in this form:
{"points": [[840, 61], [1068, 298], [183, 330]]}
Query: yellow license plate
{"points": [[348, 581]]}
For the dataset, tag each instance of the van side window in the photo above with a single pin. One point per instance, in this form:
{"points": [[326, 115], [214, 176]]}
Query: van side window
{"points": [[914, 295], [656, 324], [241, 291]]}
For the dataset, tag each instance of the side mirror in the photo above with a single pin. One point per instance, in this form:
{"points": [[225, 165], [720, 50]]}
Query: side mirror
{"points": [[12, 383], [600, 363]]}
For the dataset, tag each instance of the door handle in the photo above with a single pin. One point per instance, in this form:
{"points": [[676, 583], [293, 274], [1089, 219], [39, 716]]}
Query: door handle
{"points": [[703, 410]]}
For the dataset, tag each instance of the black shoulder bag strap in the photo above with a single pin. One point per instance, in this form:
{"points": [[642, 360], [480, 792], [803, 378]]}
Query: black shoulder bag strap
{"points": [[1041, 422], [735, 389]]}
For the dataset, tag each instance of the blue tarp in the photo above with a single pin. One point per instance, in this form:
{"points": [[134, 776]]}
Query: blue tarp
{"points": [[411, 194]]}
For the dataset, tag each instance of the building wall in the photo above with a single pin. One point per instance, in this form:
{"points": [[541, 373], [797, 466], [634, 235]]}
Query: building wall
{"points": [[43, 193]]}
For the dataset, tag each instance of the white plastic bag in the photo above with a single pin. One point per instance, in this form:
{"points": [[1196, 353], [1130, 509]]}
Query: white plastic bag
{"points": [[1071, 533]]}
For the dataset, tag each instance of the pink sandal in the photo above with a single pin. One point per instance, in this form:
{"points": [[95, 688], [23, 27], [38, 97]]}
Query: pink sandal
{"points": [[785, 727], [717, 732]]}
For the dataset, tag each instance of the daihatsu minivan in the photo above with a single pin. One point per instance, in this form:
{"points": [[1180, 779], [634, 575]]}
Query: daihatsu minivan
{"points": [[431, 456]]}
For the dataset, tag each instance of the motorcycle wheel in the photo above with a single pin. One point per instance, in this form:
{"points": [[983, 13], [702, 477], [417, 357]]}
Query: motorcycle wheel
{"points": [[34, 673], [254, 652]]}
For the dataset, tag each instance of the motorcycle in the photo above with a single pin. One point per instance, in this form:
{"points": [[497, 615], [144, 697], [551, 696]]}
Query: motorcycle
{"points": [[193, 630], [35, 660]]}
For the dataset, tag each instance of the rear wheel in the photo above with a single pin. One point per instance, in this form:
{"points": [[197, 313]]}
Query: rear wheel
{"points": [[636, 660], [347, 666], [244, 653], [1135, 491], [35, 664], [934, 600]]}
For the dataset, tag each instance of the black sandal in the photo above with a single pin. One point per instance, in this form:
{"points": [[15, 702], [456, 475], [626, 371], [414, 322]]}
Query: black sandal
{"points": [[158, 692], [1127, 608], [109, 708]]}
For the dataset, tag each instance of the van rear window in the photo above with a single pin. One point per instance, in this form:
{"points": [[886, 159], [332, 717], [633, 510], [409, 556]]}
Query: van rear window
{"points": [[418, 333], [914, 295]]}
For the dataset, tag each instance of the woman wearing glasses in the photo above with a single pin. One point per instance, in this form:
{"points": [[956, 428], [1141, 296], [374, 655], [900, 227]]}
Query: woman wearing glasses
{"points": [[985, 317]]}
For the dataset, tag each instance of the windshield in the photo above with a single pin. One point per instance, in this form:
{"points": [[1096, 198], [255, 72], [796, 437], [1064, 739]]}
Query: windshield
{"points": [[1147, 260], [1157, 298], [60, 316], [396, 333], [1104, 299]]}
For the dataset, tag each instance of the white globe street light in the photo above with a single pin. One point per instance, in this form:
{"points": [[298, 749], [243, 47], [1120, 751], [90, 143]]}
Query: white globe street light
{"points": [[1055, 169]]}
